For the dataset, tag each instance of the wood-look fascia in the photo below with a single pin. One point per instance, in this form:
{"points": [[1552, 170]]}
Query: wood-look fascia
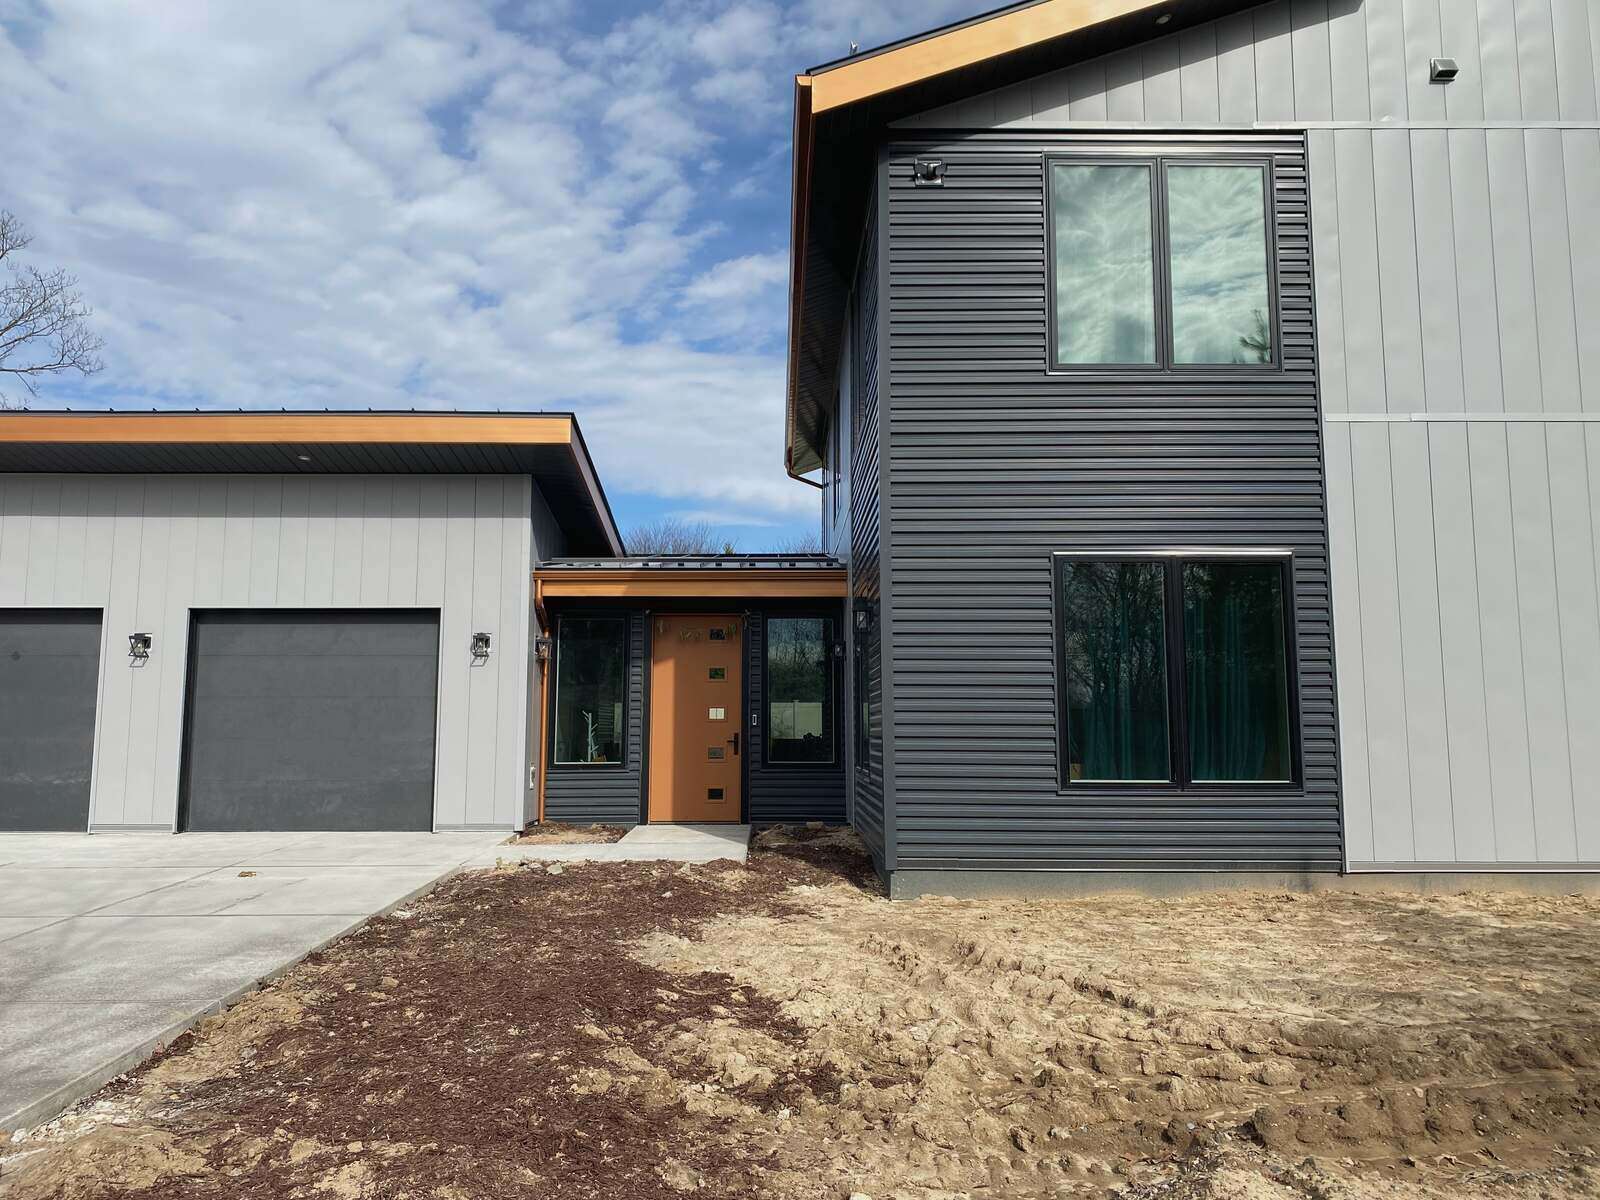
{"points": [[267, 428], [654, 583]]}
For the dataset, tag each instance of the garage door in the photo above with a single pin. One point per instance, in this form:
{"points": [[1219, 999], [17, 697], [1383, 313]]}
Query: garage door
{"points": [[311, 721], [49, 669]]}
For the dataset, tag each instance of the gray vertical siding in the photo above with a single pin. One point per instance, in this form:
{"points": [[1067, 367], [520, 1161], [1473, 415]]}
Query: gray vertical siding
{"points": [[607, 794], [1458, 326], [994, 464], [778, 792], [150, 549], [868, 808]]}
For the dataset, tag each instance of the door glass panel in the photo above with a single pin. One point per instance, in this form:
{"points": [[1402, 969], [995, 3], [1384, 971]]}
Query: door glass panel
{"points": [[1217, 223], [1236, 665], [1104, 275], [799, 690], [1113, 623], [590, 693]]}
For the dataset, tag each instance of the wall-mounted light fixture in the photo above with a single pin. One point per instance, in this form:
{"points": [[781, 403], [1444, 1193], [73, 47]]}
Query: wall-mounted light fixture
{"points": [[863, 620], [480, 645], [1442, 70], [542, 646], [139, 646], [928, 172]]}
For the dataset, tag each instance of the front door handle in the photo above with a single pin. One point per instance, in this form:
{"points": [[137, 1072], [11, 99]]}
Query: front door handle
{"points": [[735, 742]]}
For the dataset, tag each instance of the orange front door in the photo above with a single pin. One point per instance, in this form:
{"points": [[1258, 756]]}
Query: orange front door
{"points": [[696, 751]]}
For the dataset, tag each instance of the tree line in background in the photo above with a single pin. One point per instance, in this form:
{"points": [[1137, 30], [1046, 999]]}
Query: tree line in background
{"points": [[671, 536]]}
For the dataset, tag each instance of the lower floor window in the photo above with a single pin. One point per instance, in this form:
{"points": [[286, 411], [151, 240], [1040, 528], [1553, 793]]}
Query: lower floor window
{"points": [[590, 693], [1175, 670], [799, 690]]}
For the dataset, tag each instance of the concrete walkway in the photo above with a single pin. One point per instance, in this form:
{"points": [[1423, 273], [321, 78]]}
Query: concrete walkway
{"points": [[642, 843], [112, 945]]}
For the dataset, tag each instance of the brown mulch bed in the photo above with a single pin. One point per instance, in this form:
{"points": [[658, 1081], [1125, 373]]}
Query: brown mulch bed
{"points": [[435, 1051], [562, 833]]}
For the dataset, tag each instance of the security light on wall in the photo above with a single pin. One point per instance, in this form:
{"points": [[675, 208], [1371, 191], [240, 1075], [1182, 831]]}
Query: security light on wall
{"points": [[139, 646], [928, 172], [480, 645], [1442, 70]]}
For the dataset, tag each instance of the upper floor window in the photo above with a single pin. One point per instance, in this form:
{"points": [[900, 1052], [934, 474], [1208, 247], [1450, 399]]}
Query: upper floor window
{"points": [[1159, 262]]}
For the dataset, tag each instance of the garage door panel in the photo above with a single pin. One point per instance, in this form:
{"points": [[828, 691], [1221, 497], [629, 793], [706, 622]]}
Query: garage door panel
{"points": [[49, 677], [247, 677], [312, 721]]}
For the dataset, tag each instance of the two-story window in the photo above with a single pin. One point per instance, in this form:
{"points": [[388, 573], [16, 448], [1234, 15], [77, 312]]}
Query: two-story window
{"points": [[1160, 263], [1175, 669]]}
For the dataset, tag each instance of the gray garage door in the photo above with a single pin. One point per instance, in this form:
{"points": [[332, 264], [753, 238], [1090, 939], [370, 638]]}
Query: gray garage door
{"points": [[49, 670], [311, 720]]}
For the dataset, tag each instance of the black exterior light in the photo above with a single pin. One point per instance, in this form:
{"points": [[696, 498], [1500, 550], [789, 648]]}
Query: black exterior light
{"points": [[928, 172], [1442, 70], [139, 646], [481, 643]]}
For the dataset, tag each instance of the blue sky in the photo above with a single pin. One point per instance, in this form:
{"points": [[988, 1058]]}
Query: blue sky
{"points": [[447, 204]]}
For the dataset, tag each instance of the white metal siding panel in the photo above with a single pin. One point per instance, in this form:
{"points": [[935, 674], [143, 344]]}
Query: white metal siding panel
{"points": [[149, 549]]}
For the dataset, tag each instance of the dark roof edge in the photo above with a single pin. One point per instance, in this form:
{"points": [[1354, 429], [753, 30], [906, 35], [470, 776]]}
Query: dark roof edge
{"points": [[925, 35]]}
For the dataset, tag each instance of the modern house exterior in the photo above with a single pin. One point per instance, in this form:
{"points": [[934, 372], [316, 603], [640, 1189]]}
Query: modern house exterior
{"points": [[1205, 402], [1206, 398]]}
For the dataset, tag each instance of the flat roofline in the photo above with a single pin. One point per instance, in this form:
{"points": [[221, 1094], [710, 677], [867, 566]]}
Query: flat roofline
{"points": [[661, 582], [286, 426], [92, 436]]}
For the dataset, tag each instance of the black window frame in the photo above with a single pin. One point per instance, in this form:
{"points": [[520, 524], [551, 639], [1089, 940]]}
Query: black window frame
{"points": [[625, 620], [830, 658], [1180, 781], [1158, 163]]}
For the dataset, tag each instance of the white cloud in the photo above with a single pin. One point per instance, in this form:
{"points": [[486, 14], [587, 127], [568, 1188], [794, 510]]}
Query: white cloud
{"points": [[390, 204]]}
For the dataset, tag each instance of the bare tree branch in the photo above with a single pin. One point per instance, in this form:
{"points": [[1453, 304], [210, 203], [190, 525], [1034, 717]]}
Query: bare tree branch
{"points": [[668, 535], [802, 543], [44, 321]]}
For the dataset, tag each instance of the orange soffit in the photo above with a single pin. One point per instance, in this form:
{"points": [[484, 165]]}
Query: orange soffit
{"points": [[257, 428]]}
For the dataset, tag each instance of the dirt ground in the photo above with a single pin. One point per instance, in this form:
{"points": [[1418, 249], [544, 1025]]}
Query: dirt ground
{"points": [[780, 1030], [560, 833]]}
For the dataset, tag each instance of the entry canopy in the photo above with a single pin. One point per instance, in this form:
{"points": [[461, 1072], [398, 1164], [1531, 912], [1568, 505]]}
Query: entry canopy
{"points": [[694, 576], [547, 446]]}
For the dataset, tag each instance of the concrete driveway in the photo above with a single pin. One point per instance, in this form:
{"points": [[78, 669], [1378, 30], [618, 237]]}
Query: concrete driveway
{"points": [[112, 945]]}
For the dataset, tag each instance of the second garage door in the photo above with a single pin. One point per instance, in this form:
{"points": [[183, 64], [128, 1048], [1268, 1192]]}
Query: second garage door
{"points": [[311, 721]]}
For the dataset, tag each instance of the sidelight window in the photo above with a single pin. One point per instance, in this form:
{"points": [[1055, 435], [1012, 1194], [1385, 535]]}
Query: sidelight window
{"points": [[799, 690], [590, 690], [1175, 670], [1160, 263]]}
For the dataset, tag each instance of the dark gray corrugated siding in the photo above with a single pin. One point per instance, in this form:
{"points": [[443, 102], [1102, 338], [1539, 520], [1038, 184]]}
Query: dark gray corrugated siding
{"points": [[993, 464], [784, 793], [584, 795], [864, 541]]}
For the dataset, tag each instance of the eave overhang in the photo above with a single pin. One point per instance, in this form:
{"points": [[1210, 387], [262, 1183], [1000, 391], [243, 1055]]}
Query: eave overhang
{"points": [[547, 446], [841, 110]]}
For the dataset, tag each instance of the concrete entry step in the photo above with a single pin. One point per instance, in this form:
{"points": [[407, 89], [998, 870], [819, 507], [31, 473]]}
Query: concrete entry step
{"points": [[642, 843]]}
